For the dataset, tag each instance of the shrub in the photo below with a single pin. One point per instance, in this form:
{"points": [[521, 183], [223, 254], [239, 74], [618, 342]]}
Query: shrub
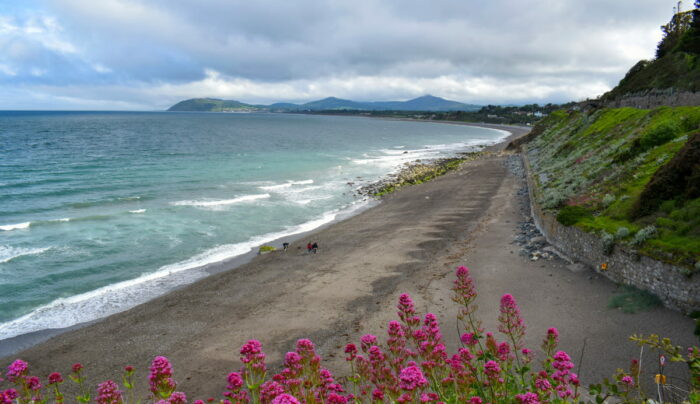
{"points": [[622, 232], [644, 235], [266, 249], [608, 242], [659, 135], [570, 215], [608, 200]]}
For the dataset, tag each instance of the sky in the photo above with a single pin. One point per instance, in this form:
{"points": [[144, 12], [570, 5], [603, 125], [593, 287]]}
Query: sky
{"points": [[150, 54]]}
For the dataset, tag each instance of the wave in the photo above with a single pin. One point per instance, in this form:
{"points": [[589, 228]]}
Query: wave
{"points": [[137, 211], [221, 202], [9, 227], [287, 184], [8, 253], [112, 299]]}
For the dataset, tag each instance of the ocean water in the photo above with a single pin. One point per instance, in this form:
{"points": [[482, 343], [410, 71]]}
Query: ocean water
{"points": [[103, 211]]}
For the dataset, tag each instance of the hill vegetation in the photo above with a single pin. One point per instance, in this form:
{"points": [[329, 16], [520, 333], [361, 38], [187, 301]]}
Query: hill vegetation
{"points": [[676, 67], [630, 175]]}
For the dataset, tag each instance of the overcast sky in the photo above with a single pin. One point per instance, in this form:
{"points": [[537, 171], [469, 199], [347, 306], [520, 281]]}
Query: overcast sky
{"points": [[149, 54]]}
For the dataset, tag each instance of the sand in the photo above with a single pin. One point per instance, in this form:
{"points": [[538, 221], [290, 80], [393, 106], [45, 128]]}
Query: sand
{"points": [[411, 242]]}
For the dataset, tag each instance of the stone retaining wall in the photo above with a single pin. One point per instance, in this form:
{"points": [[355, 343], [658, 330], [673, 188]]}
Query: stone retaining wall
{"points": [[670, 283]]}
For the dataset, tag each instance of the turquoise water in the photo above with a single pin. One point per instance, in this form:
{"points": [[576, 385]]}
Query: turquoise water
{"points": [[103, 211]]}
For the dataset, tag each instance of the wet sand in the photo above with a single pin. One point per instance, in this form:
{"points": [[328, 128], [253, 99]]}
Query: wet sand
{"points": [[411, 242]]}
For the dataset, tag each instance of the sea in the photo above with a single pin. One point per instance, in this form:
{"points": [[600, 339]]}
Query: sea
{"points": [[101, 211]]}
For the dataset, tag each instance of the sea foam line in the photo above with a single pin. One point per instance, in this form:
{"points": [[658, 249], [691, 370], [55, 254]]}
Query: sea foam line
{"points": [[8, 253], [9, 227], [121, 296], [221, 202], [285, 185]]}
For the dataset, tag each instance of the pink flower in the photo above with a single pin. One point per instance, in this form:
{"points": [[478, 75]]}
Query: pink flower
{"points": [[128, 369], [198, 402], [378, 395], [627, 380], [367, 341], [334, 398], [511, 322], [17, 369], [469, 339], [107, 393], [407, 311], [543, 384], [77, 367], [528, 398], [492, 369], [55, 378], [33, 383], [235, 381], [285, 399], [160, 378], [178, 398], [351, 350], [412, 378], [465, 291], [269, 390], [476, 400], [250, 350]]}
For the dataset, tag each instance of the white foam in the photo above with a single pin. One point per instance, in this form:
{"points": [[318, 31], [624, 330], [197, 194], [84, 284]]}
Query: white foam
{"points": [[108, 300], [287, 184], [8, 253], [221, 202], [137, 211], [17, 226]]}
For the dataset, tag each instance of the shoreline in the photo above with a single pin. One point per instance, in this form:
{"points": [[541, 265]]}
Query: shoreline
{"points": [[18, 343]]}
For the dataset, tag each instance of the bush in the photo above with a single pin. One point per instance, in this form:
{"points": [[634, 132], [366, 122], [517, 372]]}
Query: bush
{"points": [[570, 215], [608, 241], [266, 249], [622, 232], [608, 200], [659, 135], [644, 235]]}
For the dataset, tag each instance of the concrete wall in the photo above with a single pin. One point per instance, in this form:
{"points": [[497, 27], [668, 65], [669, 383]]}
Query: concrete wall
{"points": [[670, 283]]}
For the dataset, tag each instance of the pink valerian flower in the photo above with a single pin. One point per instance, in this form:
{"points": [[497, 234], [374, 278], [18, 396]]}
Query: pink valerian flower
{"points": [[627, 380], [377, 395], [407, 311], [108, 393], [476, 400], [160, 377], [528, 398], [464, 289], [334, 398], [429, 398], [492, 369], [77, 367], [253, 356], [269, 390], [411, 378], [55, 378], [511, 322], [469, 339], [33, 383], [235, 381], [178, 398], [366, 341], [198, 402], [543, 384], [550, 341], [351, 351], [17, 370], [285, 399]]}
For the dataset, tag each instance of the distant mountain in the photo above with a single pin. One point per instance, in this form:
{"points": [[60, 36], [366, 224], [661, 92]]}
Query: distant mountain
{"points": [[213, 105], [424, 103]]}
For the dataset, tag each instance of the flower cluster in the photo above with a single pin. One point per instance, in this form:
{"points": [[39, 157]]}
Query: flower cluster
{"points": [[412, 366]]}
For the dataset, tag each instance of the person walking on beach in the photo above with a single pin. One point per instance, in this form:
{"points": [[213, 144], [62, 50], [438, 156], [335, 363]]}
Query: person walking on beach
{"points": [[285, 246], [308, 247], [314, 247]]}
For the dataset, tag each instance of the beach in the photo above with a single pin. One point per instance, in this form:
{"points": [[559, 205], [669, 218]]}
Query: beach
{"points": [[409, 243]]}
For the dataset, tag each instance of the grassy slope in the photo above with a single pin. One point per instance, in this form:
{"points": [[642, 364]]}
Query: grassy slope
{"points": [[603, 160]]}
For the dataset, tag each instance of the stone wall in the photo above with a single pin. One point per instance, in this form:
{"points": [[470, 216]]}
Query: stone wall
{"points": [[655, 98], [670, 283]]}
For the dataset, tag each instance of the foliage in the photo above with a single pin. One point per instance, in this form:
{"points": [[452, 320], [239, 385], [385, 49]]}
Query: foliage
{"points": [[412, 366], [266, 248], [631, 300], [610, 161], [570, 215], [608, 242], [644, 235], [622, 232]]}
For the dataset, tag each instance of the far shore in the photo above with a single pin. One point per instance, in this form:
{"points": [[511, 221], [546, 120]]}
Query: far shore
{"points": [[409, 243]]}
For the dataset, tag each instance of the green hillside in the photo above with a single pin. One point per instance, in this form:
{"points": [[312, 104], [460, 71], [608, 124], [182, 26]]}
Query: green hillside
{"points": [[631, 176], [212, 105], [676, 66]]}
